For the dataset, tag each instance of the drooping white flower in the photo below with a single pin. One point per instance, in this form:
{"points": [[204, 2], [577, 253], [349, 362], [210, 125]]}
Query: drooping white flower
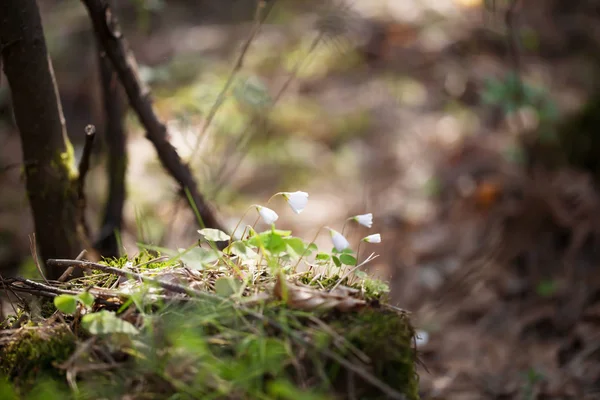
{"points": [[339, 241], [296, 200], [421, 338], [268, 215], [374, 238], [364, 219]]}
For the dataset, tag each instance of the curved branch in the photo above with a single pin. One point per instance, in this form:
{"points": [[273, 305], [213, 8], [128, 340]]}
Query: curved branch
{"points": [[109, 35]]}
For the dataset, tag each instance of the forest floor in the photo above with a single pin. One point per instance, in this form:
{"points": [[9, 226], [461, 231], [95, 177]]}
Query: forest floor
{"points": [[405, 118]]}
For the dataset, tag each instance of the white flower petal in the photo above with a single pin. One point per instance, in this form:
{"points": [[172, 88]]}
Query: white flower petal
{"points": [[364, 219], [268, 215], [421, 338], [296, 200], [374, 238], [339, 241]]}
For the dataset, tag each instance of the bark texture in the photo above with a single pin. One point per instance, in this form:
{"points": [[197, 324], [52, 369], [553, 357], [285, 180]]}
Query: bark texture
{"points": [[47, 153]]}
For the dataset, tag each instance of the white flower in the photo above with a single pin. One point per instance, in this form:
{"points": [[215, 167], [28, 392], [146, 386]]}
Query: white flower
{"points": [[296, 200], [339, 241], [374, 238], [364, 219], [268, 215], [421, 338]]}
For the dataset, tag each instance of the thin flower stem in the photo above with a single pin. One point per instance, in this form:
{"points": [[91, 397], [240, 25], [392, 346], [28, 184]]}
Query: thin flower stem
{"points": [[240, 221], [368, 259], [311, 242], [275, 195]]}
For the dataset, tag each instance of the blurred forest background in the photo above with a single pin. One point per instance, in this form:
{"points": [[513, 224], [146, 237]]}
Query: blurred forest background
{"points": [[467, 127]]}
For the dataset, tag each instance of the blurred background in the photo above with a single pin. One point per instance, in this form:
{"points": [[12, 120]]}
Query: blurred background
{"points": [[469, 128]]}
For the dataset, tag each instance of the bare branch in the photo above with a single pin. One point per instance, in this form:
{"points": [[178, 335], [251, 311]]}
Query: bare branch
{"points": [[111, 38]]}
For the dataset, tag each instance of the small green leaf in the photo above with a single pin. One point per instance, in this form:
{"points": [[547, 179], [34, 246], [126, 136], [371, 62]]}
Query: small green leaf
{"points": [[227, 286], [336, 261], [361, 274], [244, 252], [214, 235], [86, 298], [347, 259], [252, 92], [546, 288], [198, 258], [66, 303], [281, 232], [106, 322], [272, 241], [323, 256]]}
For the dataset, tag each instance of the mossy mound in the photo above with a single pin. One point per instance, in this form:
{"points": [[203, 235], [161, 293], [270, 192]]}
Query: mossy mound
{"points": [[149, 327]]}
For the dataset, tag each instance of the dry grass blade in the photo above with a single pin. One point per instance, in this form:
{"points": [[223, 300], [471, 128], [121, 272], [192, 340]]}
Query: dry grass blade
{"points": [[262, 12]]}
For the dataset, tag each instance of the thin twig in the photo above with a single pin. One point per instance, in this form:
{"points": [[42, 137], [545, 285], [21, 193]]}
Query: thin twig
{"points": [[246, 136], [84, 163], [514, 57], [259, 20], [34, 254], [69, 270], [173, 287], [84, 167], [347, 274]]}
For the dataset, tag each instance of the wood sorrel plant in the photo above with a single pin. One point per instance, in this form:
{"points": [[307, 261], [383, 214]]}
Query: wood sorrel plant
{"points": [[278, 249]]}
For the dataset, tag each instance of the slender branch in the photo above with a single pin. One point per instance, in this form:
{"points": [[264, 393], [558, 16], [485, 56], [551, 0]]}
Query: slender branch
{"points": [[114, 136], [242, 142], [84, 163], [109, 35], [84, 167], [514, 57], [259, 20]]}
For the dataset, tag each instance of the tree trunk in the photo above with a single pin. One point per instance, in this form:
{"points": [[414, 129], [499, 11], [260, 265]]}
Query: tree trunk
{"points": [[48, 156]]}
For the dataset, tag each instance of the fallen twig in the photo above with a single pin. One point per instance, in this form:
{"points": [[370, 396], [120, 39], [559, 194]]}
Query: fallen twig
{"points": [[173, 287]]}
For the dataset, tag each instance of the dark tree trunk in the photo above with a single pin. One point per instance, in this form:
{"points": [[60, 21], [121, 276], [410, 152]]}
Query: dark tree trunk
{"points": [[114, 135], [48, 157]]}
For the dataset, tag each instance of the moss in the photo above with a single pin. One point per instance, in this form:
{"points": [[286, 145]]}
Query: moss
{"points": [[66, 160], [386, 337], [35, 353]]}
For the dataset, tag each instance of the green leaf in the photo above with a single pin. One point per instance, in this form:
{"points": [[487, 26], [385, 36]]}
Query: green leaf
{"points": [[227, 286], [296, 244], [66, 303], [515, 154], [361, 274], [347, 259], [252, 92], [244, 252], [198, 258], [106, 322], [272, 241], [7, 390], [323, 256], [281, 232], [336, 261], [214, 235], [86, 298], [546, 288]]}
